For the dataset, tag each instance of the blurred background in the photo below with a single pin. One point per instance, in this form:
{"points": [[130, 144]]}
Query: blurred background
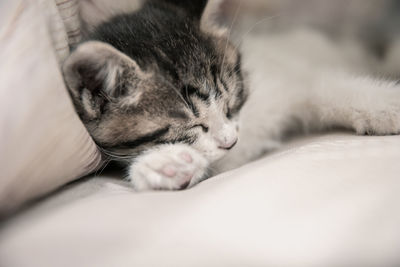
{"points": [[335, 16], [376, 22]]}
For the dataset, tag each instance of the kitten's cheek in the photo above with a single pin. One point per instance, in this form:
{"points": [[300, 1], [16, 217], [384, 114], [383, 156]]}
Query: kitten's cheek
{"points": [[209, 149], [214, 155]]}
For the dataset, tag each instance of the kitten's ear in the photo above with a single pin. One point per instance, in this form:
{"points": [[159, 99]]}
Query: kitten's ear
{"points": [[97, 73], [194, 8], [205, 11], [211, 21]]}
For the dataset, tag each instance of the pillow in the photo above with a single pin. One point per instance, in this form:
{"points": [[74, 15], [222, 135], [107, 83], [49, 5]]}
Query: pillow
{"points": [[43, 144], [323, 201]]}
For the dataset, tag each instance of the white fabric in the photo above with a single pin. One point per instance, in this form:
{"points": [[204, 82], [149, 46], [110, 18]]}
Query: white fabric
{"points": [[324, 201], [43, 144]]}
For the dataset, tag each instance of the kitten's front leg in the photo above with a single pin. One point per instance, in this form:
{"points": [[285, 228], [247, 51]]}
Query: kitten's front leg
{"points": [[366, 105], [167, 167]]}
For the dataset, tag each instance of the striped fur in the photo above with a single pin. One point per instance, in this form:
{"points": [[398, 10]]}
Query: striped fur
{"points": [[156, 77]]}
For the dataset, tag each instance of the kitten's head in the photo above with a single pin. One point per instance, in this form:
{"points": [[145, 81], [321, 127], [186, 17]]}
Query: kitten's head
{"points": [[157, 77]]}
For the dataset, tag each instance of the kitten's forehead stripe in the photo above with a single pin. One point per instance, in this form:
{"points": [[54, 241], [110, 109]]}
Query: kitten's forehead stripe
{"points": [[237, 67], [214, 72], [187, 92], [150, 137], [178, 114], [224, 85], [218, 92], [194, 91]]}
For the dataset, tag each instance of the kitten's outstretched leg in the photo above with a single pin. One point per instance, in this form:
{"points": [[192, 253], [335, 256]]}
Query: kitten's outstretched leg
{"points": [[366, 105], [300, 81], [170, 167]]}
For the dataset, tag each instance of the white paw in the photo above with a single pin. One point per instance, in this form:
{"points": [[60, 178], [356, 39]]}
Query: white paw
{"points": [[380, 118], [168, 167]]}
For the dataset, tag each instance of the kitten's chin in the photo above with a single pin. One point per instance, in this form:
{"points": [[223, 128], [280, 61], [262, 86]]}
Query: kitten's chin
{"points": [[215, 155]]}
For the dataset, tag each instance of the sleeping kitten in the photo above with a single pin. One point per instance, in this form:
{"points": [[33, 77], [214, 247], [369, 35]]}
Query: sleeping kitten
{"points": [[158, 91], [161, 91]]}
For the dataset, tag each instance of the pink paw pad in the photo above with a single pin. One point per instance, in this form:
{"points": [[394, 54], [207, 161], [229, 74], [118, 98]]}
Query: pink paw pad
{"points": [[169, 171], [186, 157]]}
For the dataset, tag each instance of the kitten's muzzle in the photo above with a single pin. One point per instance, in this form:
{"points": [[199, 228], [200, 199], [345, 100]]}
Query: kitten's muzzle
{"points": [[228, 145]]}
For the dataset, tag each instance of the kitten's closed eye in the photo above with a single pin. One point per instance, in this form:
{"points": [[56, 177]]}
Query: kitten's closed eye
{"points": [[228, 113], [203, 127]]}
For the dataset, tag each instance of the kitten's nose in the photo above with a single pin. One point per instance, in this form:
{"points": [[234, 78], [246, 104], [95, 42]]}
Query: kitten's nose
{"points": [[228, 144]]}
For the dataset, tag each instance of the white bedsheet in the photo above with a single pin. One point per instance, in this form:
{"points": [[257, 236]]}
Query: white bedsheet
{"points": [[324, 201]]}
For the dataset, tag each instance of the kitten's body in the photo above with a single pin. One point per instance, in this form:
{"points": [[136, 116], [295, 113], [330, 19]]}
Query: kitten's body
{"points": [[299, 81], [303, 81]]}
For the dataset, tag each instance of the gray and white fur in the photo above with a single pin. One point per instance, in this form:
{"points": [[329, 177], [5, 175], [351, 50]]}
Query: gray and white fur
{"points": [[165, 93]]}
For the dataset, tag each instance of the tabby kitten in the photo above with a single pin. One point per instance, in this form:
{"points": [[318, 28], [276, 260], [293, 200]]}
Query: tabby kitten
{"points": [[159, 92]]}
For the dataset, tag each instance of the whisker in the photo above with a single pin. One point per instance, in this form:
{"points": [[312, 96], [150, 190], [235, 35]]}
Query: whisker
{"points": [[118, 157], [229, 33], [255, 25], [187, 94], [114, 155], [100, 170]]}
